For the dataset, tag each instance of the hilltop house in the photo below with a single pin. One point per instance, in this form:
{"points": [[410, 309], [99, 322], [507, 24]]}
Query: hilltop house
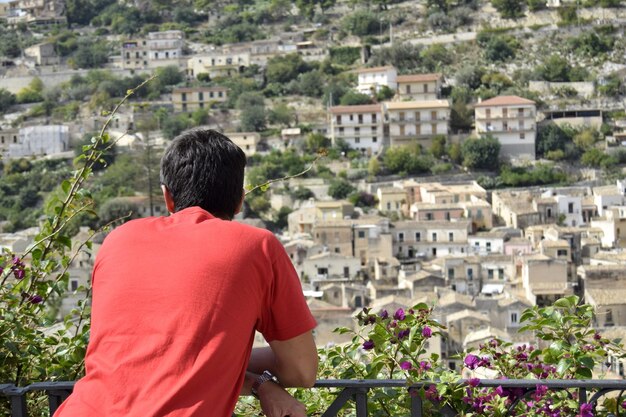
{"points": [[371, 80], [511, 120], [419, 87], [417, 121], [361, 127], [188, 99]]}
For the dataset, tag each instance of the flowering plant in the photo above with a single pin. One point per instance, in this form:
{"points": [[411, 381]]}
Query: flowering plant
{"points": [[400, 345]]}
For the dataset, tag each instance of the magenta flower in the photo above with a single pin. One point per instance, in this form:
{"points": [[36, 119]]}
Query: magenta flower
{"points": [[19, 273], [427, 332], [597, 336], [406, 365], [384, 314], [471, 361], [399, 314], [35, 299], [403, 333], [586, 410], [473, 382], [369, 345]]}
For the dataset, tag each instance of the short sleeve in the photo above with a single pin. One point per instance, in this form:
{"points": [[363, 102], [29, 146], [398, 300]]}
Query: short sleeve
{"points": [[286, 314]]}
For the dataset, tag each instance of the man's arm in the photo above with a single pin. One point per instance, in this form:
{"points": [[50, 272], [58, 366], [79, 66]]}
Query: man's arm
{"points": [[293, 361]]}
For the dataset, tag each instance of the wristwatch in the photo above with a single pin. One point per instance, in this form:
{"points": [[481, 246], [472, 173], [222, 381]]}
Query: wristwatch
{"points": [[263, 378]]}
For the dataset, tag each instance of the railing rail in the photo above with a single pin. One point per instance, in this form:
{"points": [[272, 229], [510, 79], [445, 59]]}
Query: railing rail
{"points": [[588, 391]]}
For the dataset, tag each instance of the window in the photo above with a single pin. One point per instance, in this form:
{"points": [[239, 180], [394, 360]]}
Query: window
{"points": [[514, 318], [501, 273], [337, 250], [357, 140], [351, 117], [401, 116], [220, 94], [450, 273], [184, 96], [388, 205], [201, 96], [74, 285], [434, 251], [418, 236], [426, 88], [346, 272], [490, 273], [433, 115], [374, 139], [373, 117], [400, 237], [488, 246], [505, 112], [488, 113], [360, 118], [561, 252], [341, 130], [361, 234], [570, 208], [402, 130], [522, 135], [447, 213], [373, 130], [429, 216], [434, 237], [357, 130], [407, 89], [470, 274], [450, 237]]}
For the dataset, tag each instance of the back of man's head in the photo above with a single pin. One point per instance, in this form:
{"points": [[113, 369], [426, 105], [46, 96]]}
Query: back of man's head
{"points": [[204, 168]]}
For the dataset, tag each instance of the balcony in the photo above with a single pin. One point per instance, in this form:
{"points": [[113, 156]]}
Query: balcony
{"points": [[413, 120], [512, 116], [358, 396]]}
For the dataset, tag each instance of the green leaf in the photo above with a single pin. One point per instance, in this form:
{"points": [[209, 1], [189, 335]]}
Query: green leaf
{"points": [[563, 366], [584, 373], [587, 361]]}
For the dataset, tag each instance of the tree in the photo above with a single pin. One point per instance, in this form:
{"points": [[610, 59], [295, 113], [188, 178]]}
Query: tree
{"points": [[407, 160], [363, 199], [362, 23], [498, 49], [551, 138], [508, 9], [404, 56], [385, 93], [311, 84], [281, 114], [585, 139], [438, 146], [253, 119], [340, 188], [89, 54], [282, 69], [534, 5], [373, 166], [302, 193], [315, 142], [7, 99], [352, 98], [481, 153], [554, 69]]}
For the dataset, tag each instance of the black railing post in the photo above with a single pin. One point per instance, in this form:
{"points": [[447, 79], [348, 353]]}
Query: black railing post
{"points": [[17, 396], [360, 395], [417, 409]]}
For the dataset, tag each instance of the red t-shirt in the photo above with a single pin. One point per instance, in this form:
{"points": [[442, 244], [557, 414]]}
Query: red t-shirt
{"points": [[176, 302]]}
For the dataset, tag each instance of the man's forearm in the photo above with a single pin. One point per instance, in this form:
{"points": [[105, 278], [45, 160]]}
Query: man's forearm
{"points": [[262, 359]]}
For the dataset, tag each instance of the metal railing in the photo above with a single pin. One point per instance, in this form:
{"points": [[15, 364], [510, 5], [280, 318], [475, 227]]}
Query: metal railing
{"points": [[357, 392]]}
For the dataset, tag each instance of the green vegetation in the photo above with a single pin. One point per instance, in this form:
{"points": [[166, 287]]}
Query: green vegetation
{"points": [[481, 153]]}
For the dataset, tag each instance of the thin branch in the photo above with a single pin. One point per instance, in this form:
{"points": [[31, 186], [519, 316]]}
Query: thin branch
{"points": [[322, 153]]}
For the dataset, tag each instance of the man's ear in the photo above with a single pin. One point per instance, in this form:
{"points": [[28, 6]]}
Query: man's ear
{"points": [[240, 206], [169, 200]]}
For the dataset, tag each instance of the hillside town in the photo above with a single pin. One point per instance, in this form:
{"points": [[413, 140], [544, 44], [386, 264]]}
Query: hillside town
{"points": [[448, 183]]}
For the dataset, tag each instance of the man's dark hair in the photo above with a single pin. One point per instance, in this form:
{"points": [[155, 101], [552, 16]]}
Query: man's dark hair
{"points": [[204, 168]]}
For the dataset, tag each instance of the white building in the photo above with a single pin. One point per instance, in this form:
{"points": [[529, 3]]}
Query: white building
{"points": [[511, 120], [568, 206], [40, 140], [218, 64], [417, 121], [361, 127], [330, 266], [371, 80], [247, 141], [165, 45]]}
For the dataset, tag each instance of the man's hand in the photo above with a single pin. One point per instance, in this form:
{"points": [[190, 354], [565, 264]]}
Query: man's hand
{"points": [[277, 402]]}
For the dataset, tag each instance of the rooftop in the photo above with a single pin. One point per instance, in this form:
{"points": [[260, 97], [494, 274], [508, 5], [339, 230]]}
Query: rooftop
{"points": [[425, 104], [505, 101], [365, 108], [412, 78]]}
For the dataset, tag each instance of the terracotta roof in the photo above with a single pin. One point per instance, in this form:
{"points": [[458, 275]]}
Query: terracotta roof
{"points": [[426, 104], [365, 108], [373, 69], [194, 89], [504, 101], [412, 78]]}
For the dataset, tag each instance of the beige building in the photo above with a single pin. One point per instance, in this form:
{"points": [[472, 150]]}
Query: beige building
{"points": [[328, 266], [511, 120], [36, 12], [43, 54], [157, 49], [361, 127], [417, 121], [247, 141], [189, 99], [218, 64], [8, 137], [420, 87], [304, 218], [544, 279], [391, 199]]}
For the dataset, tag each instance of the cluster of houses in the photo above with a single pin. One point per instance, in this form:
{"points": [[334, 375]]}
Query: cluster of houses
{"points": [[480, 258]]}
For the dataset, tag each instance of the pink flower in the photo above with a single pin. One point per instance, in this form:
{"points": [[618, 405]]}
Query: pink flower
{"points": [[406, 365], [399, 314], [369, 345], [471, 361], [586, 410]]}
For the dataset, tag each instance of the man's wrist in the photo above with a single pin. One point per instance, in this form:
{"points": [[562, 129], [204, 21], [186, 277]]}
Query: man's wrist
{"points": [[265, 377]]}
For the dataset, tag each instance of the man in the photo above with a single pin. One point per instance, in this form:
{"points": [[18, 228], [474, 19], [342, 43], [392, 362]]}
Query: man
{"points": [[177, 300]]}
